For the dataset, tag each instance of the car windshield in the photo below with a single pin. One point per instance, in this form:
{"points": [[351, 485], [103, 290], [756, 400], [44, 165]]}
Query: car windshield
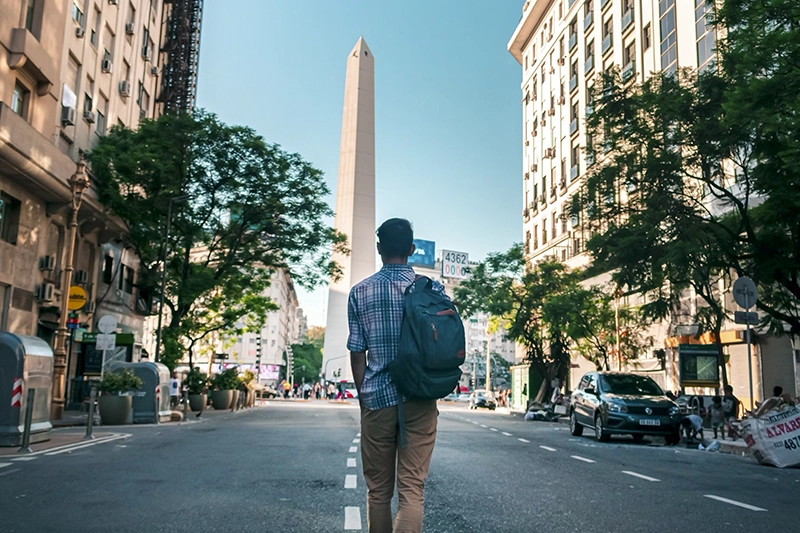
{"points": [[630, 384]]}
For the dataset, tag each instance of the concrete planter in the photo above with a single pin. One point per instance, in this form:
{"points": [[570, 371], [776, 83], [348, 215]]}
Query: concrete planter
{"points": [[115, 410], [197, 402], [221, 399]]}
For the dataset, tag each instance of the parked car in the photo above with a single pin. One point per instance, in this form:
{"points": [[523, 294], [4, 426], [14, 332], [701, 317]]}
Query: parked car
{"points": [[621, 403], [350, 392], [482, 398], [452, 397], [463, 397]]}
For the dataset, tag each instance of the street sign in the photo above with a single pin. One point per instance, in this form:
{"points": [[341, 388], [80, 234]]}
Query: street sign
{"points": [[107, 324], [77, 298], [455, 264], [72, 321], [745, 317], [106, 341], [745, 292]]}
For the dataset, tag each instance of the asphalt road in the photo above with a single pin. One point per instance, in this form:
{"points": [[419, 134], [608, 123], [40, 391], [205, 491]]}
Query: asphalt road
{"points": [[295, 467]]}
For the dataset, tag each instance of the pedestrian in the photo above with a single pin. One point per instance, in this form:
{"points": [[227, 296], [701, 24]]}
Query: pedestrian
{"points": [[331, 391], [174, 390], [692, 427], [306, 391], [730, 404], [375, 315], [717, 416], [287, 387]]}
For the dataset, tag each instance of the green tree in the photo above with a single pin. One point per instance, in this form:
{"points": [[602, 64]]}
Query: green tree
{"points": [[307, 362], [250, 209], [316, 336]]}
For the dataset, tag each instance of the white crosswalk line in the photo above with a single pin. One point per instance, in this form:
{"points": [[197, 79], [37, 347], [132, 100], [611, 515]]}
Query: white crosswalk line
{"points": [[548, 448], [584, 459], [734, 502], [24, 459], [350, 481], [640, 476], [3, 465], [352, 519], [351, 462], [524, 440]]}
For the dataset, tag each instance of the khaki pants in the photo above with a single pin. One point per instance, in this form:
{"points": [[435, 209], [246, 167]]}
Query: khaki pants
{"points": [[381, 455]]}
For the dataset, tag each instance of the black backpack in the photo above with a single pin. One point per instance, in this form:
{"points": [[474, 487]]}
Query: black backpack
{"points": [[432, 344]]}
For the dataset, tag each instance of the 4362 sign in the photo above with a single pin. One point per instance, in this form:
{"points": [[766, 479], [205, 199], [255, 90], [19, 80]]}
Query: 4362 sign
{"points": [[455, 264]]}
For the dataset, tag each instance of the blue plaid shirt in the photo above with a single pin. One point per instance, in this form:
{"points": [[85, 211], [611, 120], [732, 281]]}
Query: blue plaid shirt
{"points": [[375, 315]]}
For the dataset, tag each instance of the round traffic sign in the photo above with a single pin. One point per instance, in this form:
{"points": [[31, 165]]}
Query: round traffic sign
{"points": [[745, 292], [107, 324], [76, 299]]}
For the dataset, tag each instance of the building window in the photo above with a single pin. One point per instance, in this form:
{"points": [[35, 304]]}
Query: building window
{"points": [[95, 35], [20, 100], [10, 209], [544, 231], [608, 34], [535, 237], [126, 280], [554, 224], [108, 270], [706, 37], [646, 38], [30, 9], [629, 60], [669, 38], [102, 116], [77, 14]]}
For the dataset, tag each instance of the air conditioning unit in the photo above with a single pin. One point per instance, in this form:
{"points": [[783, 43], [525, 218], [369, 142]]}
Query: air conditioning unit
{"points": [[46, 293], [106, 66], [129, 28], [147, 53], [542, 199], [561, 100], [549, 153], [561, 61], [80, 32], [552, 70], [90, 307], [125, 88], [142, 114], [551, 111], [552, 191], [113, 2], [154, 71], [527, 143], [527, 176], [534, 167], [81, 277], [88, 116], [68, 116], [563, 183], [48, 262], [526, 213]]}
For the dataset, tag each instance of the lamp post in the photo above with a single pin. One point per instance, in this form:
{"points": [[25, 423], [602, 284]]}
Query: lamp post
{"points": [[78, 183], [164, 273]]}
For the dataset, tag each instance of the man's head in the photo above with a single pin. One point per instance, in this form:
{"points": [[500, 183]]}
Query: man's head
{"points": [[777, 390], [686, 423], [717, 400], [728, 390], [395, 241]]}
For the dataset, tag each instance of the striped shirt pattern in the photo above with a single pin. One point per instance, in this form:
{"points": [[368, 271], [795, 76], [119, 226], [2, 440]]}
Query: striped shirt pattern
{"points": [[375, 316]]}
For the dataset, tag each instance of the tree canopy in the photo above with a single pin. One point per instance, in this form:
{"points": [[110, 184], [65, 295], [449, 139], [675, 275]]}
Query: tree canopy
{"points": [[241, 209]]}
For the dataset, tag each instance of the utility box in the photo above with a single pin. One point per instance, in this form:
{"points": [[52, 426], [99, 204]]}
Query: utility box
{"points": [[25, 363], [151, 403]]}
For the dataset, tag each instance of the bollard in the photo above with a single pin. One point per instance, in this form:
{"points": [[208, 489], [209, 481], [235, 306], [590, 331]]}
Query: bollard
{"points": [[26, 433], [185, 404], [90, 420]]}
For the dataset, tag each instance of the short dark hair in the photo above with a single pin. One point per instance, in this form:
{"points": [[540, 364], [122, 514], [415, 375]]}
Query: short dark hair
{"points": [[777, 390], [396, 237], [717, 399]]}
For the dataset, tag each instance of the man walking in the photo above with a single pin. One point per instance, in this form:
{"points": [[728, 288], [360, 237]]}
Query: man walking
{"points": [[375, 315]]}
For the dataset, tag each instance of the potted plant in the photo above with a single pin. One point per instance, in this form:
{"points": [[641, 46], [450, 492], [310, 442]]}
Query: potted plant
{"points": [[223, 386], [197, 385], [115, 403]]}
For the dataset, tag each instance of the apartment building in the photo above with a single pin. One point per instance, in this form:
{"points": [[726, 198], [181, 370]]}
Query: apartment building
{"points": [[562, 47]]}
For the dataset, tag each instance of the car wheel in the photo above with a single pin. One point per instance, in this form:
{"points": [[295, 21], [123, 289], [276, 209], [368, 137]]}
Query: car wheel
{"points": [[491, 408], [599, 431], [673, 439], [574, 427], [638, 437]]}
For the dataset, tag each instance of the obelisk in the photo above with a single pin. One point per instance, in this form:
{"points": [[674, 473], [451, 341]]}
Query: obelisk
{"points": [[355, 205]]}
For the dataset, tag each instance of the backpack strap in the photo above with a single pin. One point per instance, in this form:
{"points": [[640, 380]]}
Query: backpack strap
{"points": [[420, 283], [401, 424]]}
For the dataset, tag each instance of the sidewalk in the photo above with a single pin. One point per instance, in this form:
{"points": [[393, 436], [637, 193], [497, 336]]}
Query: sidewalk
{"points": [[77, 419], [57, 440]]}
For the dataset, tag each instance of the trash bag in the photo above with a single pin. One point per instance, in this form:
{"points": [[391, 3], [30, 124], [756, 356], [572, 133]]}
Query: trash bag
{"points": [[774, 438], [529, 415]]}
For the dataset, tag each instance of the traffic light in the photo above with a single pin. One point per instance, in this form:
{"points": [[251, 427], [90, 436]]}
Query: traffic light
{"points": [[289, 361], [258, 350]]}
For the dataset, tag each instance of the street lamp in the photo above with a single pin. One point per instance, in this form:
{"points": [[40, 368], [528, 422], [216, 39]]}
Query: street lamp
{"points": [[78, 183], [182, 198]]}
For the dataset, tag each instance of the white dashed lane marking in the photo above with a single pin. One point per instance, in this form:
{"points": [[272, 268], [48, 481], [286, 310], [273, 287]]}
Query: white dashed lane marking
{"points": [[484, 426], [353, 449], [584, 459], [734, 502], [351, 462], [493, 429], [507, 434], [350, 481], [25, 459], [358, 434], [640, 476], [548, 448], [474, 422], [356, 441], [352, 519], [524, 440]]}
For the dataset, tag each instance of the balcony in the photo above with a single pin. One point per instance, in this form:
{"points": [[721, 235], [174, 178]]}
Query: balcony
{"points": [[25, 52], [574, 172], [604, 3], [607, 42], [573, 126], [588, 20], [627, 19], [589, 65], [573, 41], [628, 71], [573, 83]]}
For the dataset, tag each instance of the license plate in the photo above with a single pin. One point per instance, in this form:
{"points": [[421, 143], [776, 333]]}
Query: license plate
{"points": [[649, 422]]}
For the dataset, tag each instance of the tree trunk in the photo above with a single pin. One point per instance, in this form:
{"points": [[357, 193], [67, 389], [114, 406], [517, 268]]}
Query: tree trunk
{"points": [[721, 356]]}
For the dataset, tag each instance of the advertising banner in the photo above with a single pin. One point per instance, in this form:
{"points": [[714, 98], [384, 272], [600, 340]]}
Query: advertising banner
{"points": [[455, 264], [774, 439], [699, 365], [424, 254]]}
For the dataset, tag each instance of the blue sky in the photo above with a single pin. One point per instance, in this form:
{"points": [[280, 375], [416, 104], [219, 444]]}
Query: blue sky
{"points": [[448, 118]]}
